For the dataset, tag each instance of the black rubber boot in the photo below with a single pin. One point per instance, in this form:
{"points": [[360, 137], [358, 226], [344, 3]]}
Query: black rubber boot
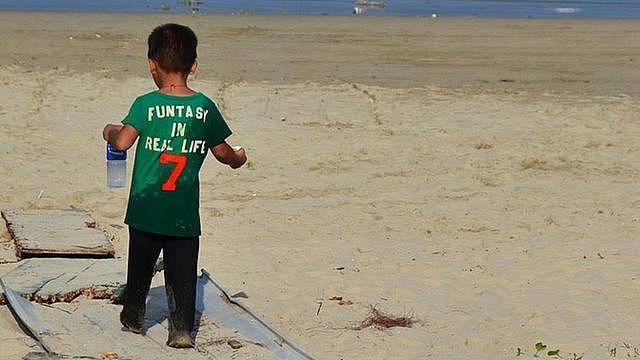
{"points": [[133, 322], [180, 260], [180, 341], [180, 322]]}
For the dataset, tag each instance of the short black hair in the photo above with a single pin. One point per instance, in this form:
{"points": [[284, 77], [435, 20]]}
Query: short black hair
{"points": [[173, 46]]}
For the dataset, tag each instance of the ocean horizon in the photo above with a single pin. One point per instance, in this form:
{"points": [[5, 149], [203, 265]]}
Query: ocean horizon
{"points": [[593, 9]]}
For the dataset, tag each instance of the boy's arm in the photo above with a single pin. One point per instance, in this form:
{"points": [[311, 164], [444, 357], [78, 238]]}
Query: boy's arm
{"points": [[121, 137], [227, 155]]}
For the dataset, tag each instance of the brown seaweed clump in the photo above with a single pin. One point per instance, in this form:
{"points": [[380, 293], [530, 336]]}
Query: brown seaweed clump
{"points": [[381, 320]]}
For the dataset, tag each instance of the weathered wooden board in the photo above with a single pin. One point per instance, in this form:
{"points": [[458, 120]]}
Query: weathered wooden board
{"points": [[59, 232], [51, 280]]}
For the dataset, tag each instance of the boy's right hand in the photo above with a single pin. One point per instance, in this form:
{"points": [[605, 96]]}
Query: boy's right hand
{"points": [[109, 129], [120, 136]]}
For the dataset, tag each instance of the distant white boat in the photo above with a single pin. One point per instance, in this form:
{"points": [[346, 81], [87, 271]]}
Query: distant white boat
{"points": [[567, 10]]}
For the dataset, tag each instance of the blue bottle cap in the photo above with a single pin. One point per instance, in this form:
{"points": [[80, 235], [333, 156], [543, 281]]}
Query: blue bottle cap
{"points": [[113, 154]]}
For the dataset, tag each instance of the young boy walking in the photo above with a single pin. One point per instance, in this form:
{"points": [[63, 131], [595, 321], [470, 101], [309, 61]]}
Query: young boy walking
{"points": [[175, 127]]}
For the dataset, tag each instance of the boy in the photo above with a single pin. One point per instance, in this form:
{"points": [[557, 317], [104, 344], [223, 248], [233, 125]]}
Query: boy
{"points": [[176, 127]]}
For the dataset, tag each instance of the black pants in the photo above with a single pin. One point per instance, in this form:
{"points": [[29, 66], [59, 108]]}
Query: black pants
{"points": [[180, 276]]}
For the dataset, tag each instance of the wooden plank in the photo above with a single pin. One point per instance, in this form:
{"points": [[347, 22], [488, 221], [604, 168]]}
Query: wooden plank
{"points": [[51, 280], [60, 232]]}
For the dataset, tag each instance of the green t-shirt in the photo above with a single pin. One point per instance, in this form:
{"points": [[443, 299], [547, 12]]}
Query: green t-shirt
{"points": [[175, 134]]}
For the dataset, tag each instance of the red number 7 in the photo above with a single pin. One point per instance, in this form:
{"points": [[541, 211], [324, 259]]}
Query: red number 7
{"points": [[180, 161]]}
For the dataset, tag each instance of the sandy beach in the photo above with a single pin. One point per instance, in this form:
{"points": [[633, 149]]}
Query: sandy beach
{"points": [[478, 175]]}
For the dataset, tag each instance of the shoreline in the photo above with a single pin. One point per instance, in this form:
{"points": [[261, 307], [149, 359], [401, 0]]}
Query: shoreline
{"points": [[317, 15], [345, 14]]}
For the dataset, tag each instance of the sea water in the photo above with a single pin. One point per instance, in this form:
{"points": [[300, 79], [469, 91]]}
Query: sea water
{"points": [[597, 9]]}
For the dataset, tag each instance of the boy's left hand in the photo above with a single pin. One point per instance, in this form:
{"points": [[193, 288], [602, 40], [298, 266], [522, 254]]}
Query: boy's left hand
{"points": [[108, 129]]}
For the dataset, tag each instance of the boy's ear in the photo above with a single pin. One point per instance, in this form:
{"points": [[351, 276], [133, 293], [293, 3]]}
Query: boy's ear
{"points": [[153, 66], [194, 67]]}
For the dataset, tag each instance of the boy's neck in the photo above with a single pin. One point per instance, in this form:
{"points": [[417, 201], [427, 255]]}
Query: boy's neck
{"points": [[175, 85]]}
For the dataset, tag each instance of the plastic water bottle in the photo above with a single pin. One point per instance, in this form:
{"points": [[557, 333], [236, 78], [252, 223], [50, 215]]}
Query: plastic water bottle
{"points": [[116, 167]]}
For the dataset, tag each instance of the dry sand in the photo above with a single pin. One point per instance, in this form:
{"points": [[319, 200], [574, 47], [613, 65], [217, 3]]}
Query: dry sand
{"points": [[478, 174]]}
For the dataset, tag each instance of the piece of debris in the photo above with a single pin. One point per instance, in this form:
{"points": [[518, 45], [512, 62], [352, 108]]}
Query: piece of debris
{"points": [[36, 355], [235, 344], [341, 300], [108, 355], [382, 321], [204, 321]]}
